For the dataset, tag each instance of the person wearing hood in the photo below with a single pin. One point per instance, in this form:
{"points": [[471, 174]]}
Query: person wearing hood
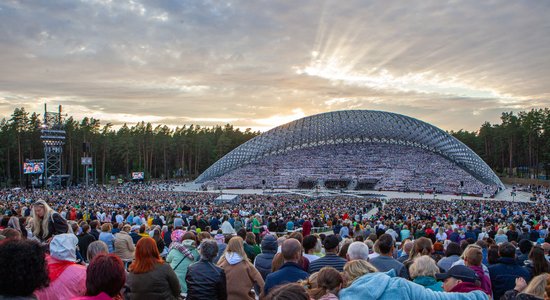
{"points": [[263, 260], [226, 227], [182, 253], [67, 278], [241, 275], [387, 286]]}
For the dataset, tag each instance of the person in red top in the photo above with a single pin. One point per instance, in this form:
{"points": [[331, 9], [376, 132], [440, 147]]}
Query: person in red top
{"points": [[306, 227], [460, 279]]}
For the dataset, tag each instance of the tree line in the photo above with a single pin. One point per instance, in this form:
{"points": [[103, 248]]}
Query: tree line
{"points": [[518, 147], [158, 151]]}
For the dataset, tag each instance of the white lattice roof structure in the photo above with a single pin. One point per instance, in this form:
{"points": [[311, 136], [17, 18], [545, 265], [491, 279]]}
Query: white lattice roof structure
{"points": [[349, 127]]}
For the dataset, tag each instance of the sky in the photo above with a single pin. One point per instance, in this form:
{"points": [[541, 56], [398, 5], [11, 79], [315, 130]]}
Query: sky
{"points": [[260, 64]]}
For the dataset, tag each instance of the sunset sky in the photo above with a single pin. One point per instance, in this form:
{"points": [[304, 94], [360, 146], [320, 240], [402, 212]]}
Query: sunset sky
{"points": [[260, 64]]}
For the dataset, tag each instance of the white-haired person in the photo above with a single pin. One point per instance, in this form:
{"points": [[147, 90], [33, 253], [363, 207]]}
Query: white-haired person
{"points": [[46, 222], [357, 250], [423, 271]]}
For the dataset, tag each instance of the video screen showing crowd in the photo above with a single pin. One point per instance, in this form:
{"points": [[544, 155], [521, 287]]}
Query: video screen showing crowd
{"points": [[149, 241]]}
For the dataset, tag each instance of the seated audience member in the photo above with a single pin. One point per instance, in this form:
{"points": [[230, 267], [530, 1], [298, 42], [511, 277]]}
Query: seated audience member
{"points": [[105, 278], [355, 269], [264, 260], [124, 246], [23, 269], [538, 288], [204, 279], [387, 286], [331, 259], [95, 248], [503, 274], [473, 256], [150, 278], [107, 237], [357, 250], [537, 263], [290, 271], [309, 244], [240, 274], [11, 234], [385, 261], [329, 283], [67, 279], [423, 271], [289, 291], [460, 279], [183, 252], [406, 250], [452, 255], [84, 240]]}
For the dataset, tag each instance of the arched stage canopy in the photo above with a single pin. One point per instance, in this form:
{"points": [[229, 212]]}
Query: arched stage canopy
{"points": [[353, 127]]}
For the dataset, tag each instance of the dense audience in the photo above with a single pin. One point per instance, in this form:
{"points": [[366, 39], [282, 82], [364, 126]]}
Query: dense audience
{"points": [[150, 242]]}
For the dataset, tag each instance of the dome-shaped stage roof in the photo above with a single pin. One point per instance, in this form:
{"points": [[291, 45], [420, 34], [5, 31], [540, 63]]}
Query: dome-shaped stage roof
{"points": [[349, 127]]}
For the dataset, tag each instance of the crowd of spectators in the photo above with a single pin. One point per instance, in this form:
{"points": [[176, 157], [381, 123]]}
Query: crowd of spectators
{"points": [[392, 167], [150, 242]]}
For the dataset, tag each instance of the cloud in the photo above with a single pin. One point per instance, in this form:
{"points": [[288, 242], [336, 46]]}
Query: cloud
{"points": [[259, 64]]}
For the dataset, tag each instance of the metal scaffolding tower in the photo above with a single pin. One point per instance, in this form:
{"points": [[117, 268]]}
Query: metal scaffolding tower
{"points": [[53, 138]]}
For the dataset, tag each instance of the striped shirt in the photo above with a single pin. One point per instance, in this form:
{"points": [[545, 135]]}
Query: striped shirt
{"points": [[329, 260]]}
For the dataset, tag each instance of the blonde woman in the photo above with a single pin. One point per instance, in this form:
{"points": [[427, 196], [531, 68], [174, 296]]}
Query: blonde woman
{"points": [[357, 268], [538, 288], [423, 272], [46, 222], [240, 274]]}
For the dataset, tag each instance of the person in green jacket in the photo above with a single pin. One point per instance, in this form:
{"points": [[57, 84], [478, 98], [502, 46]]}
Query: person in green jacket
{"points": [[183, 252], [423, 271]]}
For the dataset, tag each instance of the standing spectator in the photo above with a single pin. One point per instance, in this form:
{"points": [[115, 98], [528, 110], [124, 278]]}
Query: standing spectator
{"points": [[306, 227], [264, 260], [290, 271], [23, 269], [385, 261], [204, 279], [150, 278], [331, 259], [504, 273], [67, 279], [84, 240], [105, 278], [240, 274], [183, 252], [124, 246], [46, 222], [107, 237]]}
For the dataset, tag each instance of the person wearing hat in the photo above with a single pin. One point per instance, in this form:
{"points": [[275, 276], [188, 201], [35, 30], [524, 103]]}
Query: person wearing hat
{"points": [[460, 279], [331, 259], [67, 278], [134, 233]]}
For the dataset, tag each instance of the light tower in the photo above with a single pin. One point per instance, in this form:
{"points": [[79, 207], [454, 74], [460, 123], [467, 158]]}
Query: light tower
{"points": [[53, 138]]}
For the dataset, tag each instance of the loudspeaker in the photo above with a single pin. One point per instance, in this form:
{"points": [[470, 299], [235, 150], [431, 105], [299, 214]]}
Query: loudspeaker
{"points": [[263, 181], [461, 183]]}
